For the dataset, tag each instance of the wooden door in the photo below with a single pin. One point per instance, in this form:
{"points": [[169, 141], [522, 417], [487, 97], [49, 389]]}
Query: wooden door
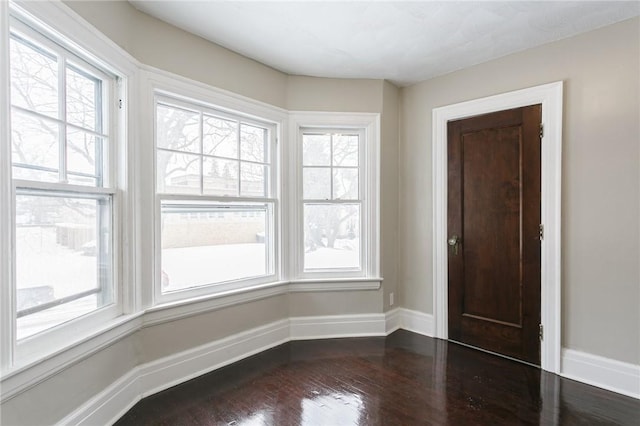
{"points": [[494, 232]]}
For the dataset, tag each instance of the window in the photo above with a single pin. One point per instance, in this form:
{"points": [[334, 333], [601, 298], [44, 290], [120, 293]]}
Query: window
{"points": [[336, 198], [331, 198], [62, 163], [215, 189]]}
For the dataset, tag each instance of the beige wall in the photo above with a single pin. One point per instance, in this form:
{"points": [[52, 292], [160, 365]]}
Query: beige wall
{"points": [[169, 48], [389, 177], [50, 401], [187, 333], [600, 179], [334, 94], [335, 303]]}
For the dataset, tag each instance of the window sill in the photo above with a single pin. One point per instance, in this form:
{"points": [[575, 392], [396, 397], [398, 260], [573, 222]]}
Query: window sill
{"points": [[22, 377], [170, 311], [335, 284]]}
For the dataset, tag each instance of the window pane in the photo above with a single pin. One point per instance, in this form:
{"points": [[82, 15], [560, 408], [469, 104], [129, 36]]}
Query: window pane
{"points": [[177, 129], [83, 97], [253, 141], [202, 246], [345, 184], [82, 150], [252, 182], [345, 150], [220, 137], [331, 236], [317, 183], [35, 148], [316, 150], [178, 173], [220, 176], [34, 79], [63, 259]]}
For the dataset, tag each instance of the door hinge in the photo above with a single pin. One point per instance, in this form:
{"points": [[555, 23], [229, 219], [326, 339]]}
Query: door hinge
{"points": [[119, 103], [541, 130], [541, 232], [541, 332]]}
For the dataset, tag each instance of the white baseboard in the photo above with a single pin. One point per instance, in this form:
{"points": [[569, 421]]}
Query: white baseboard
{"points": [[393, 321], [418, 322], [159, 375], [327, 327], [109, 405], [605, 373], [147, 379]]}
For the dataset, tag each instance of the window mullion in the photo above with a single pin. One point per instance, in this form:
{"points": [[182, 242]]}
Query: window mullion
{"points": [[331, 167], [239, 194], [99, 147], [62, 106], [201, 136]]}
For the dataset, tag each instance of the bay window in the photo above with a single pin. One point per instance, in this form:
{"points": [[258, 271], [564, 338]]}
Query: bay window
{"points": [[331, 197], [216, 199], [62, 191], [335, 205]]}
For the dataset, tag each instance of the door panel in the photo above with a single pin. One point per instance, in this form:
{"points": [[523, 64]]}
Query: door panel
{"points": [[494, 209]]}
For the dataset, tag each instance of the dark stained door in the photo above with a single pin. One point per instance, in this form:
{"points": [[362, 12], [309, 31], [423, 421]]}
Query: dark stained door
{"points": [[494, 232]]}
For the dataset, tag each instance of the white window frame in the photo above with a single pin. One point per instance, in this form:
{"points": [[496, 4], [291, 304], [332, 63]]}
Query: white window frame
{"points": [[50, 25], [359, 200], [368, 276], [178, 90]]}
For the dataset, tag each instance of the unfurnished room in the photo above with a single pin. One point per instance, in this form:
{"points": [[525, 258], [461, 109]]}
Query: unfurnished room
{"points": [[319, 212]]}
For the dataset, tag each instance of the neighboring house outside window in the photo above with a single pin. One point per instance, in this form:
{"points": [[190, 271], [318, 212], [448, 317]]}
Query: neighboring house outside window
{"points": [[215, 188]]}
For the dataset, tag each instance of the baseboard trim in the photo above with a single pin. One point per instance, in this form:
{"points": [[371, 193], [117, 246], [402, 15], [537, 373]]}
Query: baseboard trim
{"points": [[109, 405], [328, 327], [147, 379], [418, 322], [393, 321], [605, 373], [164, 373]]}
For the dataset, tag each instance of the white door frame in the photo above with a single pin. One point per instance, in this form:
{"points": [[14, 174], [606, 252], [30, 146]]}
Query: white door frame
{"points": [[550, 96]]}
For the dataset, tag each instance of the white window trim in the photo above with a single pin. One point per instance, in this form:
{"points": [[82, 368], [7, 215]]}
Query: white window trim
{"points": [[62, 26], [370, 238], [6, 201], [361, 200], [164, 85], [32, 347]]}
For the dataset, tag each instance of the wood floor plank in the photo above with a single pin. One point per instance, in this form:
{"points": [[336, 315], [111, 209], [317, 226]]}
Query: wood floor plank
{"points": [[403, 379]]}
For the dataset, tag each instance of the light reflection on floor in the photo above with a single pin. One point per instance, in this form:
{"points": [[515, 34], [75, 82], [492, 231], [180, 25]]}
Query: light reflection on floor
{"points": [[333, 409]]}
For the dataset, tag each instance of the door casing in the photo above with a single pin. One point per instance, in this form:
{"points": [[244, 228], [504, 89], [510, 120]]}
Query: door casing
{"points": [[550, 96]]}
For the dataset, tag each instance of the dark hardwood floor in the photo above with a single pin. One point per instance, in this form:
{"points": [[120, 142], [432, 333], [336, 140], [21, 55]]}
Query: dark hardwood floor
{"points": [[403, 379]]}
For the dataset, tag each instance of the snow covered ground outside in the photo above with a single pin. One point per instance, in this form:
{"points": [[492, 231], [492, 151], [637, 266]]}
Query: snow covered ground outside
{"points": [[41, 261]]}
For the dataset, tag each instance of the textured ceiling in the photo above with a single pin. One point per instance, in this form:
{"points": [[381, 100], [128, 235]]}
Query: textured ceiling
{"points": [[404, 42]]}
